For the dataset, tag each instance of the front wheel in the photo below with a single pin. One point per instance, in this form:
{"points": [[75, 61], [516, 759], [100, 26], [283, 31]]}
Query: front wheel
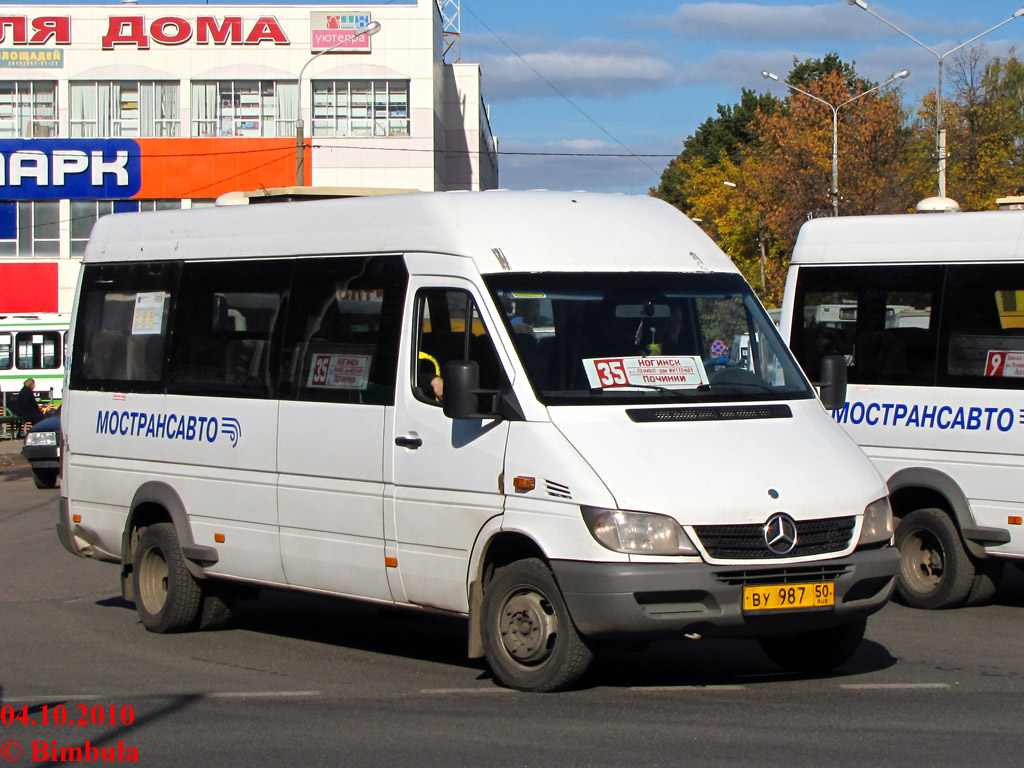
{"points": [[45, 478], [818, 651], [166, 596], [529, 639], [935, 570]]}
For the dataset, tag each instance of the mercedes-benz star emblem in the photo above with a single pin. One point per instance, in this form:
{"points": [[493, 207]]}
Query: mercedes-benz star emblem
{"points": [[780, 534]]}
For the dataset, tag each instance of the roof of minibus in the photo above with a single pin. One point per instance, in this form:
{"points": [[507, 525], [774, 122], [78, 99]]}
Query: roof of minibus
{"points": [[533, 231], [912, 237]]}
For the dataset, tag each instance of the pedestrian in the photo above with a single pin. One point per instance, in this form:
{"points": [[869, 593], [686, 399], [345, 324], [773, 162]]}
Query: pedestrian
{"points": [[25, 406]]}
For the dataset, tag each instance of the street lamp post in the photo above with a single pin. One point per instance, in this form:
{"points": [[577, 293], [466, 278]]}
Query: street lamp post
{"points": [[835, 123], [370, 29], [940, 144]]}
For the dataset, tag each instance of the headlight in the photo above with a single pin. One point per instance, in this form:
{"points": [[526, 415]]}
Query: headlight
{"points": [[877, 522], [41, 438], [637, 532]]}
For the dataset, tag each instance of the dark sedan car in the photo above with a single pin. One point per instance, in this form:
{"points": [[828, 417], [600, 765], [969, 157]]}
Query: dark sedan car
{"points": [[42, 449]]}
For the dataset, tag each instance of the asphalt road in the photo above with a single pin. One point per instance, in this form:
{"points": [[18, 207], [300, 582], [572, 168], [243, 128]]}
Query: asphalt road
{"points": [[309, 681]]}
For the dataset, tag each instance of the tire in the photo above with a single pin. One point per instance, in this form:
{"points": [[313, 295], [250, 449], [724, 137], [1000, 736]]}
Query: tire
{"points": [[987, 574], [166, 596], [935, 569], [815, 652], [45, 478], [217, 607], [529, 639]]}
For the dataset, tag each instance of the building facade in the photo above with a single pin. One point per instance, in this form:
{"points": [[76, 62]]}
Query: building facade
{"points": [[138, 106]]}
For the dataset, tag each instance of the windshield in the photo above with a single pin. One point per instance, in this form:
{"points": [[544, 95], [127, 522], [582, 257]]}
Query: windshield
{"points": [[587, 338]]}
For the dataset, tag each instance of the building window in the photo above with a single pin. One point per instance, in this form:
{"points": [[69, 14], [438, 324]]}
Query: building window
{"points": [[344, 108], [124, 108], [245, 108], [28, 109], [36, 230], [85, 213]]}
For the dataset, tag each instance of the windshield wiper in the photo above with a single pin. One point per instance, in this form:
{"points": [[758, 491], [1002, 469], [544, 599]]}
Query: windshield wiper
{"points": [[675, 394]]}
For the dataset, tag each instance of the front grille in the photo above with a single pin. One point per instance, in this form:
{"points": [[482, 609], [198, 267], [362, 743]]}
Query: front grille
{"points": [[746, 542], [762, 576]]}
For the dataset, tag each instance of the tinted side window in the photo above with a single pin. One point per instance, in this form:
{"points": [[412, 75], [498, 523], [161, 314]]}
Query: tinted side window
{"points": [[984, 327], [883, 320], [343, 329], [123, 324], [227, 320], [5, 351]]}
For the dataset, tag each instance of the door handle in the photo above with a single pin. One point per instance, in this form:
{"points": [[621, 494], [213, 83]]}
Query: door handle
{"points": [[409, 442]]}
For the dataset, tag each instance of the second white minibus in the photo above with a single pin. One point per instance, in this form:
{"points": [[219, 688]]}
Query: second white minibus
{"points": [[928, 312], [521, 408]]}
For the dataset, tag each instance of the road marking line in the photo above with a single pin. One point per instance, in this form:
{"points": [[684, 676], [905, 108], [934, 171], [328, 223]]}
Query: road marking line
{"points": [[259, 694], [45, 698], [893, 686], [687, 688], [446, 691], [49, 697]]}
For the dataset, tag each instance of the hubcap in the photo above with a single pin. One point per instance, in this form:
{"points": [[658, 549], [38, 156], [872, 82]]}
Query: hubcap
{"points": [[153, 580], [922, 560], [528, 626]]}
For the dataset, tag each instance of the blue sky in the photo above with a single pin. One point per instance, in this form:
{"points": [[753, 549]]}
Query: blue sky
{"points": [[579, 77]]}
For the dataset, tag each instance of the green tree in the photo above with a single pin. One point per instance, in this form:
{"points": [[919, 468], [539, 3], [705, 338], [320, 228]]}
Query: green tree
{"points": [[717, 139], [809, 71]]}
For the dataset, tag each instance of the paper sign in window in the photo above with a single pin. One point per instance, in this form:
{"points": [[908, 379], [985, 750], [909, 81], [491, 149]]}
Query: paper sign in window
{"points": [[1003, 363], [332, 371], [149, 314], [671, 371]]}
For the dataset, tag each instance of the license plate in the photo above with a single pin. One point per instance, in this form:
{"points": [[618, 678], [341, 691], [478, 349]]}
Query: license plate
{"points": [[777, 597]]}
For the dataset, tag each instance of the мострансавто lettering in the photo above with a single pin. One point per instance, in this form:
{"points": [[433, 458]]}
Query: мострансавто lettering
{"points": [[972, 418]]}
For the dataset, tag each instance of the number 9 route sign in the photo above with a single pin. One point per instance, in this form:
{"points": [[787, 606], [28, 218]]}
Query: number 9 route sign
{"points": [[1003, 363]]}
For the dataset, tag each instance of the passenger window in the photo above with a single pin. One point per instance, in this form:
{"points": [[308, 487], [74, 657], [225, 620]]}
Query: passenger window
{"points": [[449, 327], [227, 318], [5, 351], [37, 350], [985, 326], [343, 329], [880, 319], [123, 324]]}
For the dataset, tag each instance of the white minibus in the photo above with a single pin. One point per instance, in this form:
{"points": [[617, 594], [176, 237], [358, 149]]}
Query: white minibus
{"points": [[32, 347], [934, 346], [517, 407]]}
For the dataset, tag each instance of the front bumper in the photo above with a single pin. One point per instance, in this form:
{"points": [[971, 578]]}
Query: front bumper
{"points": [[42, 456], [628, 600]]}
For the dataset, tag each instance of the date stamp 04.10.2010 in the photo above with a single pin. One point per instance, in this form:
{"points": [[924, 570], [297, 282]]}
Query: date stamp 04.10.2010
{"points": [[37, 750]]}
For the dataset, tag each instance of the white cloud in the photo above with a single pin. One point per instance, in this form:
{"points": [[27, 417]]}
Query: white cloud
{"points": [[574, 73], [764, 22]]}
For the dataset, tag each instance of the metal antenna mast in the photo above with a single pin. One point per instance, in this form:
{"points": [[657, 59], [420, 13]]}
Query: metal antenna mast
{"points": [[451, 19]]}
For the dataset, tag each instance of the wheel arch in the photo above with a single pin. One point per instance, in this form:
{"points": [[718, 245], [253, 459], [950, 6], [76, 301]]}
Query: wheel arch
{"points": [[921, 487], [497, 549], [157, 502]]}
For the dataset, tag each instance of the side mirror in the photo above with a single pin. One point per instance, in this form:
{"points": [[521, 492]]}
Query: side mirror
{"points": [[833, 381], [462, 391]]}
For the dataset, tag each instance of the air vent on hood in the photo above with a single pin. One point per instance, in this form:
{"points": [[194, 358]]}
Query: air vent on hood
{"points": [[558, 490], [710, 413]]}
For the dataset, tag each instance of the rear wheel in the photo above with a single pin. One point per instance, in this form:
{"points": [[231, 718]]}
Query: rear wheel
{"points": [[167, 597], [529, 639], [217, 607], [815, 652], [935, 570], [987, 574]]}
